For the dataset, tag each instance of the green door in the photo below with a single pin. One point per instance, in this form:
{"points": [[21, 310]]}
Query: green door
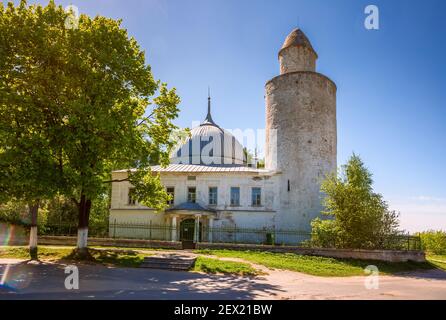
{"points": [[187, 228]]}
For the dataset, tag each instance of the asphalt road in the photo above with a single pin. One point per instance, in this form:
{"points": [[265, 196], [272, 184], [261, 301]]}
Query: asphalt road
{"points": [[24, 280]]}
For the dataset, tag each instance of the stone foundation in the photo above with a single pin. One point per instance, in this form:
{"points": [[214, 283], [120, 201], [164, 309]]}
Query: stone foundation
{"points": [[380, 255]]}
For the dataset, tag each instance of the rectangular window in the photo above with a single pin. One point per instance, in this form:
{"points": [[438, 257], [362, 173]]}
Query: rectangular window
{"points": [[171, 192], [131, 197], [256, 197], [213, 196], [191, 194], [235, 196]]}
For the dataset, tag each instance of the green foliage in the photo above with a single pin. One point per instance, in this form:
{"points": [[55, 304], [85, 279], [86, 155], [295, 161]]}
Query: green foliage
{"points": [[439, 261], [361, 218], [148, 189], [74, 105], [115, 257], [318, 266], [210, 265], [14, 212], [28, 157], [57, 213], [61, 210], [324, 233], [433, 241]]}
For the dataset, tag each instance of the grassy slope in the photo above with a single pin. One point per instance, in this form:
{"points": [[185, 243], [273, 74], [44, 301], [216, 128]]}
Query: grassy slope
{"points": [[125, 258], [318, 266], [438, 261], [210, 265]]}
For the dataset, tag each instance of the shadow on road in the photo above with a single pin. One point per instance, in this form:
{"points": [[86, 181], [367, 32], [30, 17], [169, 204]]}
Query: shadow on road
{"points": [[31, 280]]}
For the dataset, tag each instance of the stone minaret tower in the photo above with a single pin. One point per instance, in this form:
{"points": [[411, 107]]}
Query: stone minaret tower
{"points": [[300, 132]]}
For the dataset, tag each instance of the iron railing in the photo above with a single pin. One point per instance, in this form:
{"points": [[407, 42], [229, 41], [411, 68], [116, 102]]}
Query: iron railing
{"points": [[233, 234]]}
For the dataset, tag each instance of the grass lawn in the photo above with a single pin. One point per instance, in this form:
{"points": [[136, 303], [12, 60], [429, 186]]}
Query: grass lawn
{"points": [[318, 266], [123, 258], [437, 260], [210, 265]]}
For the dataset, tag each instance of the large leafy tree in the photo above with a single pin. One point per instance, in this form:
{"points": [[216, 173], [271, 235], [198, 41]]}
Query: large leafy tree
{"points": [[28, 154], [26, 175], [360, 218], [94, 96]]}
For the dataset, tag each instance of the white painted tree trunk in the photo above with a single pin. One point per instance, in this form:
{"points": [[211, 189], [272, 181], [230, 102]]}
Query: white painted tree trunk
{"points": [[33, 237], [82, 236]]}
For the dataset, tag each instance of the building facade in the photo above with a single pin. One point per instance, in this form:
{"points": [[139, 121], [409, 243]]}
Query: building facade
{"points": [[213, 186]]}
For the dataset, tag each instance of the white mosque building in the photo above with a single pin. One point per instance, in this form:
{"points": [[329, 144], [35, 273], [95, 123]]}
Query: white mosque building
{"points": [[213, 187]]}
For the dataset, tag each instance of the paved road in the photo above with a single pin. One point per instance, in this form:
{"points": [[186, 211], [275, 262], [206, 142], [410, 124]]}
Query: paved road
{"points": [[23, 280]]}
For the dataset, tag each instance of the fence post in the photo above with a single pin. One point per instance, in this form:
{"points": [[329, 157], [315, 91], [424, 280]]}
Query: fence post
{"points": [[235, 233], [408, 242], [150, 230], [114, 228]]}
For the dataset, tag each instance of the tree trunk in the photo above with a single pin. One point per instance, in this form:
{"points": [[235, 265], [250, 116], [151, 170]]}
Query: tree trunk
{"points": [[33, 210], [82, 230]]}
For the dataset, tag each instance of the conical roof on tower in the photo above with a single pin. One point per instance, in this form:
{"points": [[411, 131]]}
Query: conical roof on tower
{"points": [[297, 38]]}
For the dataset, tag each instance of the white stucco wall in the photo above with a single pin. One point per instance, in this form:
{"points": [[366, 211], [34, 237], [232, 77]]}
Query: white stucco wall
{"points": [[243, 216]]}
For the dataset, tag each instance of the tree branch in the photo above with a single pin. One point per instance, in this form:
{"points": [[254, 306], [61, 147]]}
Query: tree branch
{"points": [[116, 180]]}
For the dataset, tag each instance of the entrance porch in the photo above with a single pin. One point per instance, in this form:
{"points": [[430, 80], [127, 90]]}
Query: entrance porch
{"points": [[191, 223]]}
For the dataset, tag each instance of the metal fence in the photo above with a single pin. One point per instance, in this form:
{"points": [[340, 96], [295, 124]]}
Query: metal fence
{"points": [[236, 235]]}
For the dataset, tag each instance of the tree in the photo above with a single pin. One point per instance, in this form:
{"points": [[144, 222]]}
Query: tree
{"points": [[26, 175], [92, 95], [360, 218], [28, 157]]}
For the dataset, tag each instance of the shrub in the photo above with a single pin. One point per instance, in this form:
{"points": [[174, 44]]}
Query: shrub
{"points": [[433, 241], [323, 233], [360, 218]]}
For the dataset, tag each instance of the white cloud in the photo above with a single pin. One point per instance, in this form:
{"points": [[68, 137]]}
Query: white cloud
{"points": [[421, 213], [428, 198]]}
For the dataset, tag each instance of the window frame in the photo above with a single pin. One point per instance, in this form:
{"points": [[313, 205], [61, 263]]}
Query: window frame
{"points": [[256, 198], [130, 200], [171, 201], [211, 198], [189, 193], [231, 198]]}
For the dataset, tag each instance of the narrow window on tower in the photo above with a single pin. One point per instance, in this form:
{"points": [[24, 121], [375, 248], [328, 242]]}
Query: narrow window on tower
{"points": [[289, 187]]}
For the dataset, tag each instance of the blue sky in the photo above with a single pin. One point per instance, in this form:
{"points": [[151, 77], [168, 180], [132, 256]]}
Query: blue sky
{"points": [[391, 82]]}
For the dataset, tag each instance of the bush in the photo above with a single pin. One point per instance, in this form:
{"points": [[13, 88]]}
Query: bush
{"points": [[360, 218], [14, 212], [433, 241], [323, 233]]}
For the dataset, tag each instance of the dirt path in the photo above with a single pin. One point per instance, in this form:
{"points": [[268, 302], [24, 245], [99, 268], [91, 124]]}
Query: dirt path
{"points": [[426, 284]]}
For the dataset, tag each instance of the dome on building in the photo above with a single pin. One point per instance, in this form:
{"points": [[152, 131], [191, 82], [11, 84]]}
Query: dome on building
{"points": [[209, 144]]}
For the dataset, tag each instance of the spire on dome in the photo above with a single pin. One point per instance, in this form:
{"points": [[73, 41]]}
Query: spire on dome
{"points": [[208, 119]]}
